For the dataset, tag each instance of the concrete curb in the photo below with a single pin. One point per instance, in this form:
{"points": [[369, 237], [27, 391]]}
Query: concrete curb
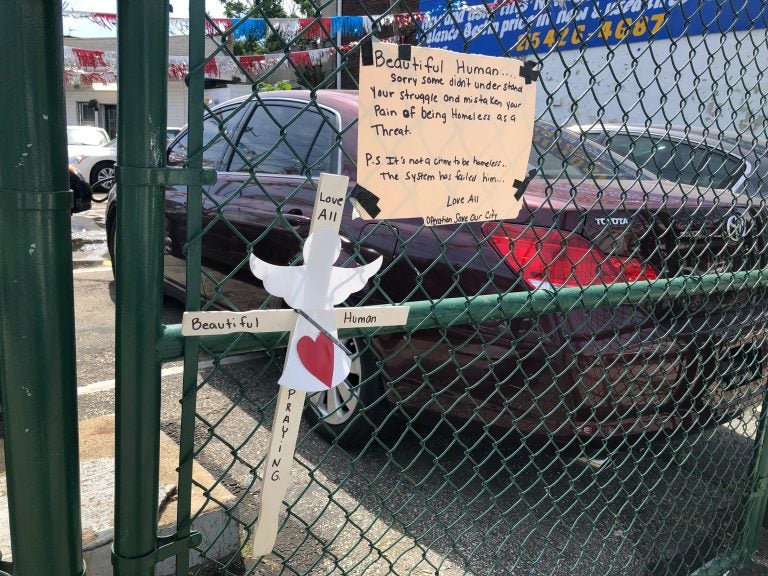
{"points": [[221, 537]]}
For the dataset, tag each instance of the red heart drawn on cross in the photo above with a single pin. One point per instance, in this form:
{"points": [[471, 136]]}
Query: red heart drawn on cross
{"points": [[317, 357]]}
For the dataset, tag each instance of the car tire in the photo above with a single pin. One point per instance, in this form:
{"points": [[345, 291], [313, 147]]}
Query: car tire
{"points": [[112, 240], [355, 411], [104, 172], [81, 193]]}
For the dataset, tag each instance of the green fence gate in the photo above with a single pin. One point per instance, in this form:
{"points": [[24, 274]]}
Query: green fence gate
{"points": [[39, 474], [578, 389]]}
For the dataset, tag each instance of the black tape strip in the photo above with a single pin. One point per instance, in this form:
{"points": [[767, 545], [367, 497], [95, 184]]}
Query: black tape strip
{"points": [[527, 71], [521, 186], [404, 51], [519, 189], [366, 51], [368, 200]]}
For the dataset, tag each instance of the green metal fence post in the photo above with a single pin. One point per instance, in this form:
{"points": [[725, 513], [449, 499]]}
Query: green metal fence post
{"points": [[142, 112], [758, 498], [195, 86], [37, 328]]}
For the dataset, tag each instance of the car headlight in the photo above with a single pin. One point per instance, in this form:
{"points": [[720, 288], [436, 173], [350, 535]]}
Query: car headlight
{"points": [[77, 159]]}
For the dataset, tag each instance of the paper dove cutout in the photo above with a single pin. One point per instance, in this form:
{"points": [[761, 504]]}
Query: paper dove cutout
{"points": [[314, 363]]}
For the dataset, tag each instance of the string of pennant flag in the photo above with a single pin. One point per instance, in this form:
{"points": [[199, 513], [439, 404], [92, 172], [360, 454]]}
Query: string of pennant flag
{"points": [[87, 67], [289, 28], [257, 27]]}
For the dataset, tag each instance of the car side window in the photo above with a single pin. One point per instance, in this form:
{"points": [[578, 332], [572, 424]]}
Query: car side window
{"points": [[323, 156], [286, 139], [719, 170], [641, 150], [557, 153], [684, 163], [675, 161], [680, 161], [217, 137]]}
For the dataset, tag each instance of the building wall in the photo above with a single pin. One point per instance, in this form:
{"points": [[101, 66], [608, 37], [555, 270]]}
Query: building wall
{"points": [[219, 95], [661, 81], [103, 95], [685, 73], [177, 104], [107, 95]]}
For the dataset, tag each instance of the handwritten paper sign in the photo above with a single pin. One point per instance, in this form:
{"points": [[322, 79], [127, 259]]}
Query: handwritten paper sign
{"points": [[442, 135], [224, 322]]}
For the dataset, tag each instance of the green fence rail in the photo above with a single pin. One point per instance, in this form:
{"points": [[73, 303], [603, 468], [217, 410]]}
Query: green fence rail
{"points": [[449, 312]]}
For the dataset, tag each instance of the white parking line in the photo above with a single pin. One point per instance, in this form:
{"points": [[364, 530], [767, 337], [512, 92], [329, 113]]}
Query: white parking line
{"points": [[105, 385], [94, 269]]}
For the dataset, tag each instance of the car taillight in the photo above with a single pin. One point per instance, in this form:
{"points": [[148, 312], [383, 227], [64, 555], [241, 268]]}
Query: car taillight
{"points": [[547, 257]]}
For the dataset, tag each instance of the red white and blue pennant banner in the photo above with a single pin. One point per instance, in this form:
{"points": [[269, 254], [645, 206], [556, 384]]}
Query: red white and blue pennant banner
{"points": [[88, 67], [257, 28]]}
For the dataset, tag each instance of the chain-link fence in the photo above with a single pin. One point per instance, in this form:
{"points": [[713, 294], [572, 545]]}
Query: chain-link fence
{"points": [[579, 389]]}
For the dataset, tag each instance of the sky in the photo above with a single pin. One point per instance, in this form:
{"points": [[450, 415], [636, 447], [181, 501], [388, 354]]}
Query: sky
{"points": [[85, 29]]}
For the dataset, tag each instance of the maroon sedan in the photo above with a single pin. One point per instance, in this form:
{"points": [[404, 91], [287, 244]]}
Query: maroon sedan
{"points": [[605, 372]]}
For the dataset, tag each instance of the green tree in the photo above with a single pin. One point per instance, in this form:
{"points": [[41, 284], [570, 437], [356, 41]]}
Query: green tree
{"points": [[308, 7], [265, 8]]}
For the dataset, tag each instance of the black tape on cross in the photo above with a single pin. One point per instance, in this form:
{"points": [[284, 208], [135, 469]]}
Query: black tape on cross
{"points": [[521, 186], [367, 200], [366, 51], [527, 71], [404, 52]]}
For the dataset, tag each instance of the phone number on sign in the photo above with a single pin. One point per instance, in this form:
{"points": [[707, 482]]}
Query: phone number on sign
{"points": [[609, 30]]}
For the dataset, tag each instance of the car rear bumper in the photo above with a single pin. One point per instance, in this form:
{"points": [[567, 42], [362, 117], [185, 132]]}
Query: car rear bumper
{"points": [[694, 371], [594, 374]]}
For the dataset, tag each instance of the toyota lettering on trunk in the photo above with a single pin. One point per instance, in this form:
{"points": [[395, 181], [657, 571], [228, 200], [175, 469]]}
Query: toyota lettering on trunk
{"points": [[612, 221]]}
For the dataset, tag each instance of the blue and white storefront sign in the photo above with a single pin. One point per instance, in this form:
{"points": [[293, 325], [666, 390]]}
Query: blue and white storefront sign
{"points": [[519, 27]]}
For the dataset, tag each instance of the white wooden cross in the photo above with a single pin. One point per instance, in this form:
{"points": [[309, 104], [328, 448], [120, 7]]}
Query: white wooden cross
{"points": [[315, 360]]}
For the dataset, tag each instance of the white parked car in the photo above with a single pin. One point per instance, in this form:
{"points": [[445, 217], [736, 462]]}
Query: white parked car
{"points": [[80, 139], [97, 164], [171, 132], [95, 155]]}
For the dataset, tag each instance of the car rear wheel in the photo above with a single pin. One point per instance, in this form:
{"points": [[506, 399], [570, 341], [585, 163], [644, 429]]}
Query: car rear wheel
{"points": [[351, 413], [112, 238], [102, 179]]}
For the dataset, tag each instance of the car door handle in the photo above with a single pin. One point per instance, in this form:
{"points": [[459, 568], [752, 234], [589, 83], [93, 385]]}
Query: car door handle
{"points": [[295, 217]]}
